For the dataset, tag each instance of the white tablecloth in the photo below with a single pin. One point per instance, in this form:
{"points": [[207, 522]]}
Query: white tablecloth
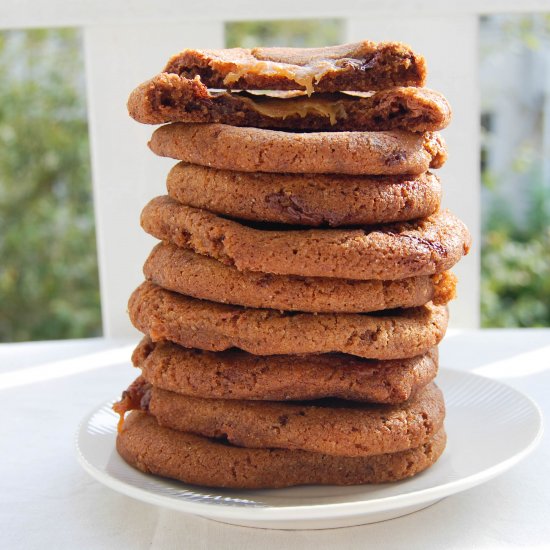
{"points": [[47, 501]]}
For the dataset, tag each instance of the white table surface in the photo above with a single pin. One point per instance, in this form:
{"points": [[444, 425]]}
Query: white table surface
{"points": [[46, 500]]}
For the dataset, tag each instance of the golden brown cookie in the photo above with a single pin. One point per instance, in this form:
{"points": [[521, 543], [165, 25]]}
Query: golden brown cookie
{"points": [[393, 251], [186, 272], [329, 426], [361, 66], [192, 323], [201, 461], [235, 374], [305, 199], [257, 150], [172, 98]]}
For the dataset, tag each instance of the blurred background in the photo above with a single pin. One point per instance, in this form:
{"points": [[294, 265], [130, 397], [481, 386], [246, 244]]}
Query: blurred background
{"points": [[49, 285]]}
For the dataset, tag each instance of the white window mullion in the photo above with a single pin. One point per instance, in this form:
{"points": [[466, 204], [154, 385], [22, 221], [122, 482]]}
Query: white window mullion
{"points": [[450, 45], [126, 174]]}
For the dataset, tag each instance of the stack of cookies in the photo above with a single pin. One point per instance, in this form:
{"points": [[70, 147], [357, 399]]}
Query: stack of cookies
{"points": [[293, 308]]}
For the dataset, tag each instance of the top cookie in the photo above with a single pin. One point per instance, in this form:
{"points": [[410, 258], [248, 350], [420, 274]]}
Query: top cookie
{"points": [[362, 66]]}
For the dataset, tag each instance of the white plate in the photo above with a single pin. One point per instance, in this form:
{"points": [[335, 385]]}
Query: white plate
{"points": [[490, 428]]}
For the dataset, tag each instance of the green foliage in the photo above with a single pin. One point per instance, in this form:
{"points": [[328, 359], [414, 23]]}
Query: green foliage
{"points": [[515, 265], [515, 253], [528, 30], [48, 273], [309, 33]]}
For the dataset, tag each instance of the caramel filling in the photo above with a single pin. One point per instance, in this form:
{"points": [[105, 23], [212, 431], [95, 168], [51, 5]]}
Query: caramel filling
{"points": [[136, 397], [301, 106], [305, 76]]}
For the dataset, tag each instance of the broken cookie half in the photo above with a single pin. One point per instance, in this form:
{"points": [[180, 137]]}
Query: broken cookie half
{"points": [[363, 86]]}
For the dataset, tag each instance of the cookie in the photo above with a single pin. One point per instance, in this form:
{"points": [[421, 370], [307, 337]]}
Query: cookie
{"points": [[172, 98], [186, 272], [192, 323], [305, 199], [259, 150], [393, 251], [235, 374], [328, 426], [362, 66], [200, 461]]}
